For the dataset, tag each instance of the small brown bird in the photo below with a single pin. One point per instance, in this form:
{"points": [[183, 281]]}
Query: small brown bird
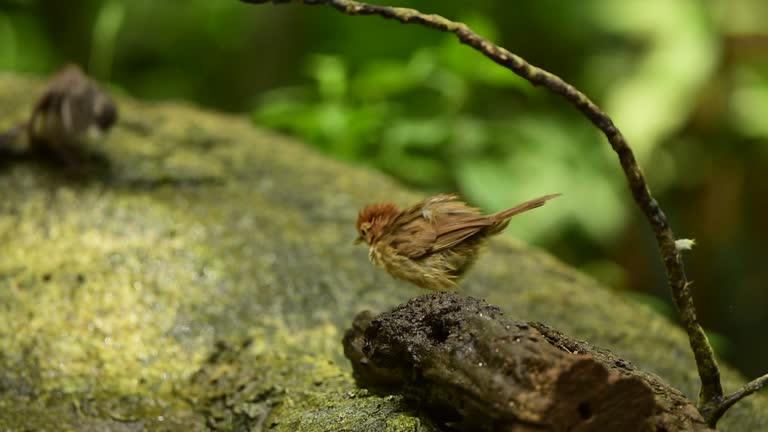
{"points": [[433, 243], [71, 105]]}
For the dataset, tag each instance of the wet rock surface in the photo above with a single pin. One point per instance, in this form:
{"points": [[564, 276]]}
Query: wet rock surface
{"points": [[185, 228]]}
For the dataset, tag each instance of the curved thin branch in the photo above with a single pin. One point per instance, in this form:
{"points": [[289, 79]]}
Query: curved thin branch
{"points": [[711, 393], [728, 401]]}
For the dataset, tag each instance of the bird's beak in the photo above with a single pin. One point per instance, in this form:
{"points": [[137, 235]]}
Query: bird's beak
{"points": [[358, 240]]}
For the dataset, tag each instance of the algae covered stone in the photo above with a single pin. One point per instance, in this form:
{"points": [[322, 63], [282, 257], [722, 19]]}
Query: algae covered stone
{"points": [[202, 274]]}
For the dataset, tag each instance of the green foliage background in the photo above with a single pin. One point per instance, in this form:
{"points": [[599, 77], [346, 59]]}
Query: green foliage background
{"points": [[686, 81]]}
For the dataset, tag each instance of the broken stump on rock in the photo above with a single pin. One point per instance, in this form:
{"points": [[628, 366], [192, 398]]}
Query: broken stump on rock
{"points": [[474, 369]]}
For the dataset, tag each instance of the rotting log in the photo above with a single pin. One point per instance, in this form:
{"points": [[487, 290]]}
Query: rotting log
{"points": [[471, 367]]}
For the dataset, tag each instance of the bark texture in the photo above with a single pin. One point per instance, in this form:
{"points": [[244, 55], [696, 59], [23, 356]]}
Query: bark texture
{"points": [[471, 367]]}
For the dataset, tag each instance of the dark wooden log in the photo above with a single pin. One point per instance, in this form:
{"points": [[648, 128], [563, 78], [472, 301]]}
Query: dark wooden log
{"points": [[476, 370]]}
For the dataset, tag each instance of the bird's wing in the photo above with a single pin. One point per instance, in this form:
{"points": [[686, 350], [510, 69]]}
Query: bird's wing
{"points": [[452, 235], [411, 236], [435, 224], [454, 221]]}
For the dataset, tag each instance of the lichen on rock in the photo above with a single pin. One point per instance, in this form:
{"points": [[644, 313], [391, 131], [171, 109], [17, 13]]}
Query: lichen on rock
{"points": [[116, 284]]}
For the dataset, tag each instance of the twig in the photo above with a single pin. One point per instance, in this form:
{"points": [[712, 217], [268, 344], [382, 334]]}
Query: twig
{"points": [[711, 400], [721, 406]]}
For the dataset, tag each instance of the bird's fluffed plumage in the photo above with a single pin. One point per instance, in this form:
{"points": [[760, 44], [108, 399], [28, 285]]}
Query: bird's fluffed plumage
{"points": [[433, 243]]}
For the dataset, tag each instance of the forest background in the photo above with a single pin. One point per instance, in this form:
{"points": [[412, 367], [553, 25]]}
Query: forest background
{"points": [[686, 81]]}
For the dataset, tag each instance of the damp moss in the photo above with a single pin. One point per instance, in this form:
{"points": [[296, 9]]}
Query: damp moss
{"points": [[117, 281], [246, 388]]}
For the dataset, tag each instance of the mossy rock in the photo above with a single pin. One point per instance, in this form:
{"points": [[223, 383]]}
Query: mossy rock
{"points": [[202, 278]]}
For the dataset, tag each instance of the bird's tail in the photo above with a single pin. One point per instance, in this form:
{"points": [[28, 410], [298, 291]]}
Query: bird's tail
{"points": [[501, 219]]}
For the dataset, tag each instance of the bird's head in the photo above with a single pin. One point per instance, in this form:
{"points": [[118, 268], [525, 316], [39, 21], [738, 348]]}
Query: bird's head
{"points": [[372, 221]]}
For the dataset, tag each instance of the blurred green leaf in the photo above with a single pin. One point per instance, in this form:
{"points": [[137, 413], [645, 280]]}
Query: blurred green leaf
{"points": [[108, 22], [678, 57], [427, 133], [8, 43], [331, 75], [380, 79], [408, 149], [23, 45]]}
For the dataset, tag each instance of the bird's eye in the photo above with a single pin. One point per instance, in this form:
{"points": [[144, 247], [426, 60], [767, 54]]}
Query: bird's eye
{"points": [[364, 231]]}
